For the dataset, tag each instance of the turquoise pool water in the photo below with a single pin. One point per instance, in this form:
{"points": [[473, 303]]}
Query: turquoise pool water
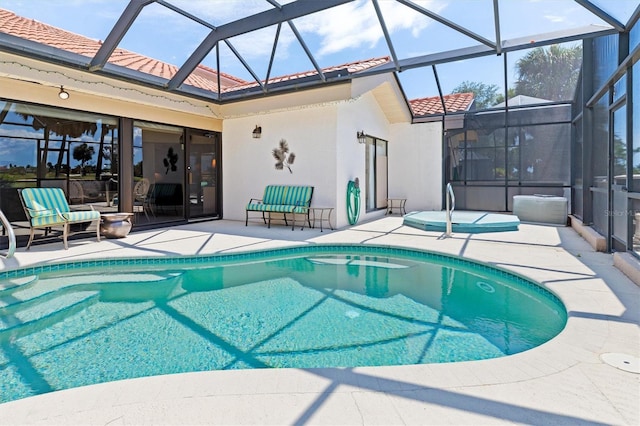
{"points": [[80, 323]]}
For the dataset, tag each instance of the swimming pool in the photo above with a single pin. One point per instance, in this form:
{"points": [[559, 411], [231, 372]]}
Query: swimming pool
{"points": [[77, 323]]}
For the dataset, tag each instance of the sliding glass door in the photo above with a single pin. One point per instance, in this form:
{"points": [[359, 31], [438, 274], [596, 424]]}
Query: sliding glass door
{"points": [[202, 174]]}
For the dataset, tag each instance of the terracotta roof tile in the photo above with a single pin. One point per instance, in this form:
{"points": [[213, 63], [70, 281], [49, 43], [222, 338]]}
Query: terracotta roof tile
{"points": [[203, 77], [351, 67], [433, 105]]}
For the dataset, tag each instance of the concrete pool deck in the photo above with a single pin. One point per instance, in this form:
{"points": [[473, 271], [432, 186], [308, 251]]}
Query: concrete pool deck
{"points": [[564, 381]]}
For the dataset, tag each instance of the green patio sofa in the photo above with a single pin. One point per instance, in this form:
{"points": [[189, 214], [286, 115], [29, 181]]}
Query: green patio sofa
{"points": [[48, 207], [285, 199]]}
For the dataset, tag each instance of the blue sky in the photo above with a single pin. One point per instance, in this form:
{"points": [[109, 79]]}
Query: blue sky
{"points": [[335, 36]]}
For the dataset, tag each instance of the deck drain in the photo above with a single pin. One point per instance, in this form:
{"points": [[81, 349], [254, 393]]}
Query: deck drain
{"points": [[622, 361]]}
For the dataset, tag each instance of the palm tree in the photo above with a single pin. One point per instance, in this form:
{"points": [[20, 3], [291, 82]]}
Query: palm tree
{"points": [[549, 73], [83, 153], [66, 129], [283, 157]]}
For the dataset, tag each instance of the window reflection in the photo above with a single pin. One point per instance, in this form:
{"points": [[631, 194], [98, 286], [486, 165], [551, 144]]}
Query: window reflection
{"points": [[47, 147], [158, 170]]}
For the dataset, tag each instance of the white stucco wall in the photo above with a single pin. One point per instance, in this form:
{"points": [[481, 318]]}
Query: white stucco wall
{"points": [[362, 114], [323, 138], [415, 165], [248, 164], [328, 156]]}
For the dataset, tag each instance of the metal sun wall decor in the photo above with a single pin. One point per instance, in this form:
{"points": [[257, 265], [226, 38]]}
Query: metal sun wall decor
{"points": [[283, 157]]}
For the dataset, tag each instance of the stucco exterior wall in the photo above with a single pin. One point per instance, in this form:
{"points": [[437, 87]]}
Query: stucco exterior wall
{"points": [[362, 114], [415, 165], [328, 154], [248, 163]]}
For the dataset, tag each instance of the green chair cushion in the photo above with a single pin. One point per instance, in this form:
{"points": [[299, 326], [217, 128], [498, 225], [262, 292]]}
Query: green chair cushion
{"points": [[38, 209]]}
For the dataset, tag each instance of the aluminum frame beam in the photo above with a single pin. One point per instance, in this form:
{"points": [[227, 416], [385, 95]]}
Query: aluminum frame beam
{"points": [[126, 19], [251, 23], [602, 14], [387, 37], [496, 20], [307, 50], [448, 23], [279, 14]]}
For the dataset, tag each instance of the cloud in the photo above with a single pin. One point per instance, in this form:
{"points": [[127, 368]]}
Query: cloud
{"points": [[349, 26], [355, 25], [554, 18], [218, 12]]}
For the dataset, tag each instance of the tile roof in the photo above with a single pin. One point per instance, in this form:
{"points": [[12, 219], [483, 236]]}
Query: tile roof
{"points": [[433, 105], [202, 77], [350, 68]]}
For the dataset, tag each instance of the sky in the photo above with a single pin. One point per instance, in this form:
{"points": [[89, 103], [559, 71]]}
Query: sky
{"points": [[335, 36]]}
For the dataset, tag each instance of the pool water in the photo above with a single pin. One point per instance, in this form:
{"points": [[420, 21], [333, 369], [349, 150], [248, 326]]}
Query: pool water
{"points": [[89, 322]]}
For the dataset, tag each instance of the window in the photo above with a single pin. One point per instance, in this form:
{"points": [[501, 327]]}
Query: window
{"points": [[376, 173], [52, 147]]}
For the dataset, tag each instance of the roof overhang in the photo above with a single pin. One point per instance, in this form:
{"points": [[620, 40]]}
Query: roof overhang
{"points": [[388, 94], [50, 75]]}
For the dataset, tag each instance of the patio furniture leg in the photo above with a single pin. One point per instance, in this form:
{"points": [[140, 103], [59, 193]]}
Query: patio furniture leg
{"points": [[65, 233], [30, 238]]}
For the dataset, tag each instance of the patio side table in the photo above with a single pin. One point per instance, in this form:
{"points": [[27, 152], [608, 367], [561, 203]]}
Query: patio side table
{"points": [[318, 214], [396, 203]]}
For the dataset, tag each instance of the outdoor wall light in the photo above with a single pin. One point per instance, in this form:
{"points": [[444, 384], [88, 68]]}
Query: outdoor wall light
{"points": [[63, 94], [362, 138], [257, 132]]}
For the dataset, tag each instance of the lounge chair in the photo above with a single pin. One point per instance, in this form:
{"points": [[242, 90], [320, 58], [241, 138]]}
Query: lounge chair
{"points": [[48, 207]]}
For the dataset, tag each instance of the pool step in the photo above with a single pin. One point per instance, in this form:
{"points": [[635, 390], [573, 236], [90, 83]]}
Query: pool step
{"points": [[13, 284], [106, 284], [38, 316], [50, 302]]}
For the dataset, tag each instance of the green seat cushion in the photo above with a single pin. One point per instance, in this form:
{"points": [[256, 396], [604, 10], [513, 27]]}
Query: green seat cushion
{"points": [[38, 199], [284, 199], [276, 208], [273, 194], [82, 216], [49, 220], [43, 204], [297, 195], [38, 209]]}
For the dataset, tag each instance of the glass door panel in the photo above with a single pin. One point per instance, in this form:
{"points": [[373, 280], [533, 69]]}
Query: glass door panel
{"points": [[202, 175], [159, 171]]}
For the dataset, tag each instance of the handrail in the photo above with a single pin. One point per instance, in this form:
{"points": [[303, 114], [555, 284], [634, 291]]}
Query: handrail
{"points": [[10, 234], [451, 206]]}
